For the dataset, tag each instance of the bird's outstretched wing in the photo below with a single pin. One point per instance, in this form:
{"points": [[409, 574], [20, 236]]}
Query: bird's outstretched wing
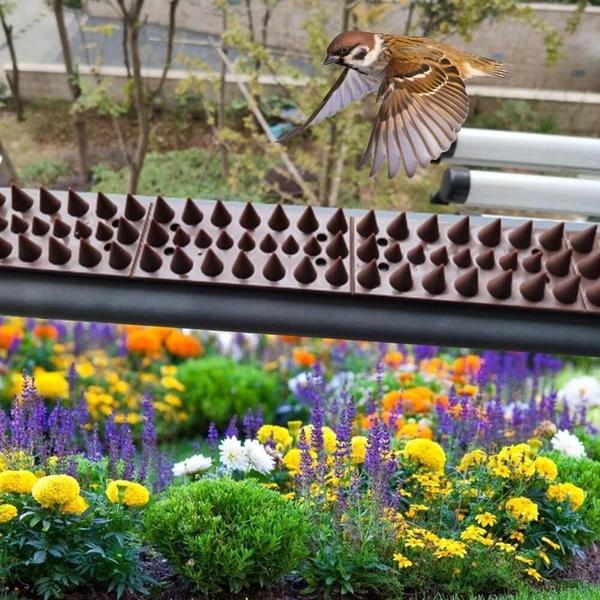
{"points": [[350, 86], [423, 105]]}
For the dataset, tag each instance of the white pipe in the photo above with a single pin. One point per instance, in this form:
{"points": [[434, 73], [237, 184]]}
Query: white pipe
{"points": [[533, 151], [488, 189]]}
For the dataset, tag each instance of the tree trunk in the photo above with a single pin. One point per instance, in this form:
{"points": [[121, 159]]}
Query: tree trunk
{"points": [[8, 164], [73, 79], [222, 99], [13, 78], [141, 109]]}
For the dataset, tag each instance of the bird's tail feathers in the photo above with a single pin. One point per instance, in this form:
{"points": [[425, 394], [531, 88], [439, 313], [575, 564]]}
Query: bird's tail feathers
{"points": [[480, 66]]}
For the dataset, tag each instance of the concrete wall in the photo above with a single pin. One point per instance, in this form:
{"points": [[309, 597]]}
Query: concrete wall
{"points": [[576, 112], [509, 40]]}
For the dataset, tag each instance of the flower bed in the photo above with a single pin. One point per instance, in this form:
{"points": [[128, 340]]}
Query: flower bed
{"points": [[307, 468]]}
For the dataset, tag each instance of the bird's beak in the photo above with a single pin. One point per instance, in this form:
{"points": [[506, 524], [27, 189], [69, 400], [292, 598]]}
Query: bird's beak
{"points": [[330, 59]]}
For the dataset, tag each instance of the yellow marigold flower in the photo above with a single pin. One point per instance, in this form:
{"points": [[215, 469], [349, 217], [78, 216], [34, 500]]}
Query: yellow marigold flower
{"points": [[49, 384], [288, 496], [415, 509], [402, 561], [472, 534], [546, 468], [517, 536], [171, 383], [329, 437], [426, 453], [291, 461], [565, 491], [17, 482], [551, 543], [544, 557], [473, 458], [128, 493], [280, 436], [7, 512], [359, 449], [75, 507], [522, 509], [447, 548], [508, 548], [533, 574], [523, 559], [173, 400], [55, 490], [85, 370], [168, 370], [486, 519]]}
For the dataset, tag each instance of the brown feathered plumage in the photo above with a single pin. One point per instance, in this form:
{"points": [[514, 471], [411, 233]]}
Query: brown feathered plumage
{"points": [[420, 85]]}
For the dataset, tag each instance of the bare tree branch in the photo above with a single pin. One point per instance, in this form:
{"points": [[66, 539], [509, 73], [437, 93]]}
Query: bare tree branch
{"points": [[75, 88], [291, 167], [169, 58], [13, 77]]}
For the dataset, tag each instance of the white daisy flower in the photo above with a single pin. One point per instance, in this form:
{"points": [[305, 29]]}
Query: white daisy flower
{"points": [[232, 455], [568, 444], [192, 465]]}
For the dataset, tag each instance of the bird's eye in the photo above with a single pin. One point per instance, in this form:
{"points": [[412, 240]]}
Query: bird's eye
{"points": [[344, 51]]}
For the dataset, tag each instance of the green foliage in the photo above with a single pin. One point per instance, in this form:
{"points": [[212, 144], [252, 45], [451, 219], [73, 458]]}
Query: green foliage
{"points": [[217, 387], [591, 443], [353, 556], [54, 553], [194, 172], [45, 171], [224, 535], [515, 115], [584, 473]]}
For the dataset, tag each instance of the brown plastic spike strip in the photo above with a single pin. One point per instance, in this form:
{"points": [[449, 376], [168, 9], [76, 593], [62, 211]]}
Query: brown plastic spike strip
{"points": [[400, 256], [523, 266]]}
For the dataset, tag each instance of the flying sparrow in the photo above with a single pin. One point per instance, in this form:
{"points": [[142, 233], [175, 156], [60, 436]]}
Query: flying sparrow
{"points": [[420, 84]]}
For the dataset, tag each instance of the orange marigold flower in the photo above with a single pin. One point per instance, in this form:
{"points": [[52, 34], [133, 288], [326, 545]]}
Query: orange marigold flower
{"points": [[391, 399], [414, 430], [417, 399], [8, 333], [467, 365], [45, 332], [303, 358], [393, 359], [442, 400], [143, 341], [184, 346], [406, 377]]}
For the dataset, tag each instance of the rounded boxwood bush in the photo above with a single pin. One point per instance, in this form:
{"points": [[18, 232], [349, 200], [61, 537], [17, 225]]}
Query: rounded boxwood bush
{"points": [[228, 535], [216, 388]]}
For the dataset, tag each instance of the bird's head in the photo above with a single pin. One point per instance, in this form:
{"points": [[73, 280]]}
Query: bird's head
{"points": [[354, 49]]}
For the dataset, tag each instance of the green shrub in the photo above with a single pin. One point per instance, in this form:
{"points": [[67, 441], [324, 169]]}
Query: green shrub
{"points": [[180, 173], [226, 535], [584, 473], [216, 388], [45, 171], [353, 556], [515, 115], [591, 444]]}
